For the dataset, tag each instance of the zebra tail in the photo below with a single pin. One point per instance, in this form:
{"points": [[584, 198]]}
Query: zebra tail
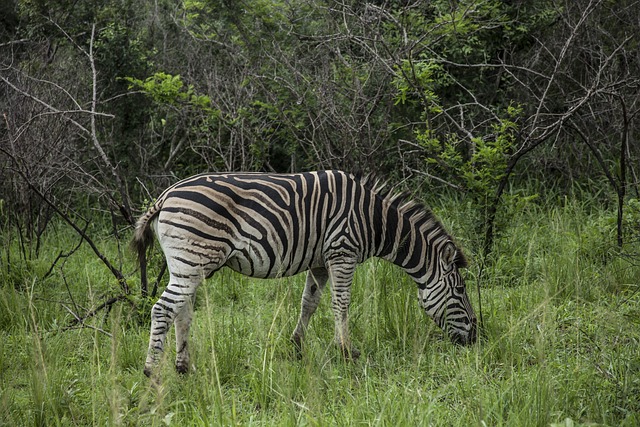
{"points": [[142, 239]]}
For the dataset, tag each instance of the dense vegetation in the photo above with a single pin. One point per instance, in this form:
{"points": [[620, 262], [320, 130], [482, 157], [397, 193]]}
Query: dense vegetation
{"points": [[561, 345], [515, 120]]}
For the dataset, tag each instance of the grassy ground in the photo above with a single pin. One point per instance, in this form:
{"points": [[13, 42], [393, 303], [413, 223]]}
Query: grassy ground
{"points": [[561, 346]]}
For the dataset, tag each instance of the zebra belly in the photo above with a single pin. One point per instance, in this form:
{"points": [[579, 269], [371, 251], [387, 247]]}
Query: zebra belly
{"points": [[261, 267]]}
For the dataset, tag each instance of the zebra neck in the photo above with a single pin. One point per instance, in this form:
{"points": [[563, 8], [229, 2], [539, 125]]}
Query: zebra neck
{"points": [[403, 243], [410, 245]]}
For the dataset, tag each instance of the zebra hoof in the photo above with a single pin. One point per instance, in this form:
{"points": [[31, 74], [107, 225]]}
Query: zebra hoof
{"points": [[182, 368], [297, 346], [148, 371], [350, 354]]}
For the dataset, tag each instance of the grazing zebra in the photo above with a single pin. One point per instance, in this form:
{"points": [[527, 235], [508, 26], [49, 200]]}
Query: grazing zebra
{"points": [[275, 225]]}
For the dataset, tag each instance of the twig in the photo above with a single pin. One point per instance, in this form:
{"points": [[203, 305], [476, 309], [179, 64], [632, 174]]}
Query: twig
{"points": [[67, 255], [80, 321], [117, 273], [107, 304], [440, 180]]}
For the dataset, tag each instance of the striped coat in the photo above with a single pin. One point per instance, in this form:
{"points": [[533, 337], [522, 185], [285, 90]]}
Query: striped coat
{"points": [[274, 225]]}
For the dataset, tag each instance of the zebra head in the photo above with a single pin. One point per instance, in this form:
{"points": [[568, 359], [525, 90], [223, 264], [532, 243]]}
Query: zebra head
{"points": [[444, 296]]}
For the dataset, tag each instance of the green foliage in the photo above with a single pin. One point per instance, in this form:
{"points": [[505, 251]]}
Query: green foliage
{"points": [[631, 218], [280, 85], [489, 157], [170, 90], [429, 74], [478, 164], [466, 138]]}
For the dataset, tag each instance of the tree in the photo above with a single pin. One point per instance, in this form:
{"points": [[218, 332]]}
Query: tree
{"points": [[486, 106], [54, 155], [104, 104]]}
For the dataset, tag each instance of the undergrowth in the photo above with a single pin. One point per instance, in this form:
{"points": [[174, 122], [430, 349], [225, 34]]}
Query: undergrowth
{"points": [[560, 342]]}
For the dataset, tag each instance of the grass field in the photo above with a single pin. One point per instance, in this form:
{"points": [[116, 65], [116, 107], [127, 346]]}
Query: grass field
{"points": [[561, 342]]}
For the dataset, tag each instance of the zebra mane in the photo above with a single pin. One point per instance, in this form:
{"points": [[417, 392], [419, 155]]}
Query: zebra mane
{"points": [[402, 200], [416, 212]]}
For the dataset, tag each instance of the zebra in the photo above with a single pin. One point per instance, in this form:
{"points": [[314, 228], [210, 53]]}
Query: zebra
{"points": [[274, 225]]}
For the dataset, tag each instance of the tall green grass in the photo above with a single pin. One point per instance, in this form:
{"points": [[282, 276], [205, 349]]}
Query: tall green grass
{"points": [[561, 344]]}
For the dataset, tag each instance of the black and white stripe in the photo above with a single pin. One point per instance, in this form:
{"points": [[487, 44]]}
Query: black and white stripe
{"points": [[274, 225]]}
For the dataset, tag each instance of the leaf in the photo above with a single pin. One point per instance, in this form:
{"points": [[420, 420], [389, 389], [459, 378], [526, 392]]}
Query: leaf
{"points": [[167, 418]]}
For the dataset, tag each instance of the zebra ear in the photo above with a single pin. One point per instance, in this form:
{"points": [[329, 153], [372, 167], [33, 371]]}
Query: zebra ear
{"points": [[451, 255]]}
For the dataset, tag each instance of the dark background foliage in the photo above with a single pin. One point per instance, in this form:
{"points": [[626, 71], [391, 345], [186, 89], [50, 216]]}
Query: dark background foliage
{"points": [[105, 103]]}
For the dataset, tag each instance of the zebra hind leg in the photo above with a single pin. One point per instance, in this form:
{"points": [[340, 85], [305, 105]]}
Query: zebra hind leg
{"points": [[183, 323], [316, 281], [176, 299]]}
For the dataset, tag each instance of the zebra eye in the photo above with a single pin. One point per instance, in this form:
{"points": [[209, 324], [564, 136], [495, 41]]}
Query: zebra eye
{"points": [[459, 288]]}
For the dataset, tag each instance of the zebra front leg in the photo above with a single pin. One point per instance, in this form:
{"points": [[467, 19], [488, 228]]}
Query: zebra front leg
{"points": [[316, 281], [169, 306], [341, 275]]}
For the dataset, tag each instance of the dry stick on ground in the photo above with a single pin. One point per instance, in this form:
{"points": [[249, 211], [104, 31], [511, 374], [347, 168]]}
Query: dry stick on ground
{"points": [[79, 320], [122, 281], [154, 292]]}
